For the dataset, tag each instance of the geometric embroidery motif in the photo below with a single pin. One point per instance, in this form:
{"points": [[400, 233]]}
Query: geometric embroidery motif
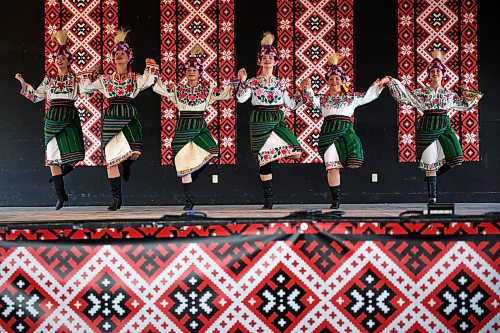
{"points": [[237, 257], [23, 307], [193, 300], [149, 258], [461, 301], [281, 300], [62, 259], [370, 300], [415, 255], [325, 256], [105, 303]]}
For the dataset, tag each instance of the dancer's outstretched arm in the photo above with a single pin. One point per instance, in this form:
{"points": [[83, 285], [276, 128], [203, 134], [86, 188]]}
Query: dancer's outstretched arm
{"points": [[34, 95], [220, 95], [150, 75], [244, 91], [371, 94], [402, 94]]}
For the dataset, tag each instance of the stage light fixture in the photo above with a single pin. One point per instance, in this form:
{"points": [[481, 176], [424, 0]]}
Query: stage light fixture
{"points": [[440, 209]]}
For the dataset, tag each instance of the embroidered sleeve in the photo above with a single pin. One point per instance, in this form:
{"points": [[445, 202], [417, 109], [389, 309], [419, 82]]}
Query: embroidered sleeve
{"points": [[310, 99], [401, 94], [168, 90], [36, 95], [219, 95], [87, 85], [371, 94], [244, 92], [83, 80], [149, 77], [292, 103], [463, 103]]}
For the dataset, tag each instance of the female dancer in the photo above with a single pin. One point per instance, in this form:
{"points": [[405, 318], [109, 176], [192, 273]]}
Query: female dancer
{"points": [[62, 129], [121, 128], [339, 146], [438, 148], [270, 136], [193, 147]]}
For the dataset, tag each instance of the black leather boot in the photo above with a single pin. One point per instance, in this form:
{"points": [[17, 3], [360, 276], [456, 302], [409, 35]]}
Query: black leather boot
{"points": [[335, 197], [431, 188], [115, 185], [126, 169], [268, 194], [66, 168], [62, 196], [189, 196]]}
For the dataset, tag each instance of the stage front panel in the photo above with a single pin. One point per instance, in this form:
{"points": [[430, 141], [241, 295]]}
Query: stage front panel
{"points": [[284, 276], [451, 26], [183, 24]]}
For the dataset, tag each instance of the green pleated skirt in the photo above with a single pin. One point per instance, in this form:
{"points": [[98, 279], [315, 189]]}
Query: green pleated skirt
{"points": [[264, 121], [436, 126], [193, 145], [339, 131], [62, 123], [122, 118]]}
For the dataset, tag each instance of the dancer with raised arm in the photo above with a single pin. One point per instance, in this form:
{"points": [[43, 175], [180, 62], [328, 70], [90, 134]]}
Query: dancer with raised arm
{"points": [[62, 128], [339, 146], [193, 146], [438, 148], [271, 138], [121, 127]]}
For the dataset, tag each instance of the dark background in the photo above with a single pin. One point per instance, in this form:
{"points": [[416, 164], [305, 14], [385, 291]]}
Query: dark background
{"points": [[24, 179]]}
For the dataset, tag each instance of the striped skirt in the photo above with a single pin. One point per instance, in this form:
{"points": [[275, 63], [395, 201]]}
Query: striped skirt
{"points": [[121, 132], [193, 145], [271, 139], [63, 134], [339, 146], [437, 142]]}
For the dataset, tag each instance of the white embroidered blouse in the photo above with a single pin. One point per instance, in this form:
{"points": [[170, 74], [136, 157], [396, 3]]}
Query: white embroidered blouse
{"points": [[113, 85], [267, 93], [342, 105], [54, 88], [429, 99], [196, 98]]}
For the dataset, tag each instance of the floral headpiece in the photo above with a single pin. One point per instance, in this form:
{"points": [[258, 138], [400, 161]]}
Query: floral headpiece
{"points": [[267, 47], [61, 37], [334, 69], [194, 59], [121, 45], [437, 62]]}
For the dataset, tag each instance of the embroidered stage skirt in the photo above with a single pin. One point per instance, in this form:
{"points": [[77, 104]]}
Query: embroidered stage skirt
{"points": [[339, 146], [121, 131], [193, 145], [437, 142], [271, 139], [63, 133]]}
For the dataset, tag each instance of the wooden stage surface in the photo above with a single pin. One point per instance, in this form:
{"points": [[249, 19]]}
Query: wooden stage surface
{"points": [[99, 213]]}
